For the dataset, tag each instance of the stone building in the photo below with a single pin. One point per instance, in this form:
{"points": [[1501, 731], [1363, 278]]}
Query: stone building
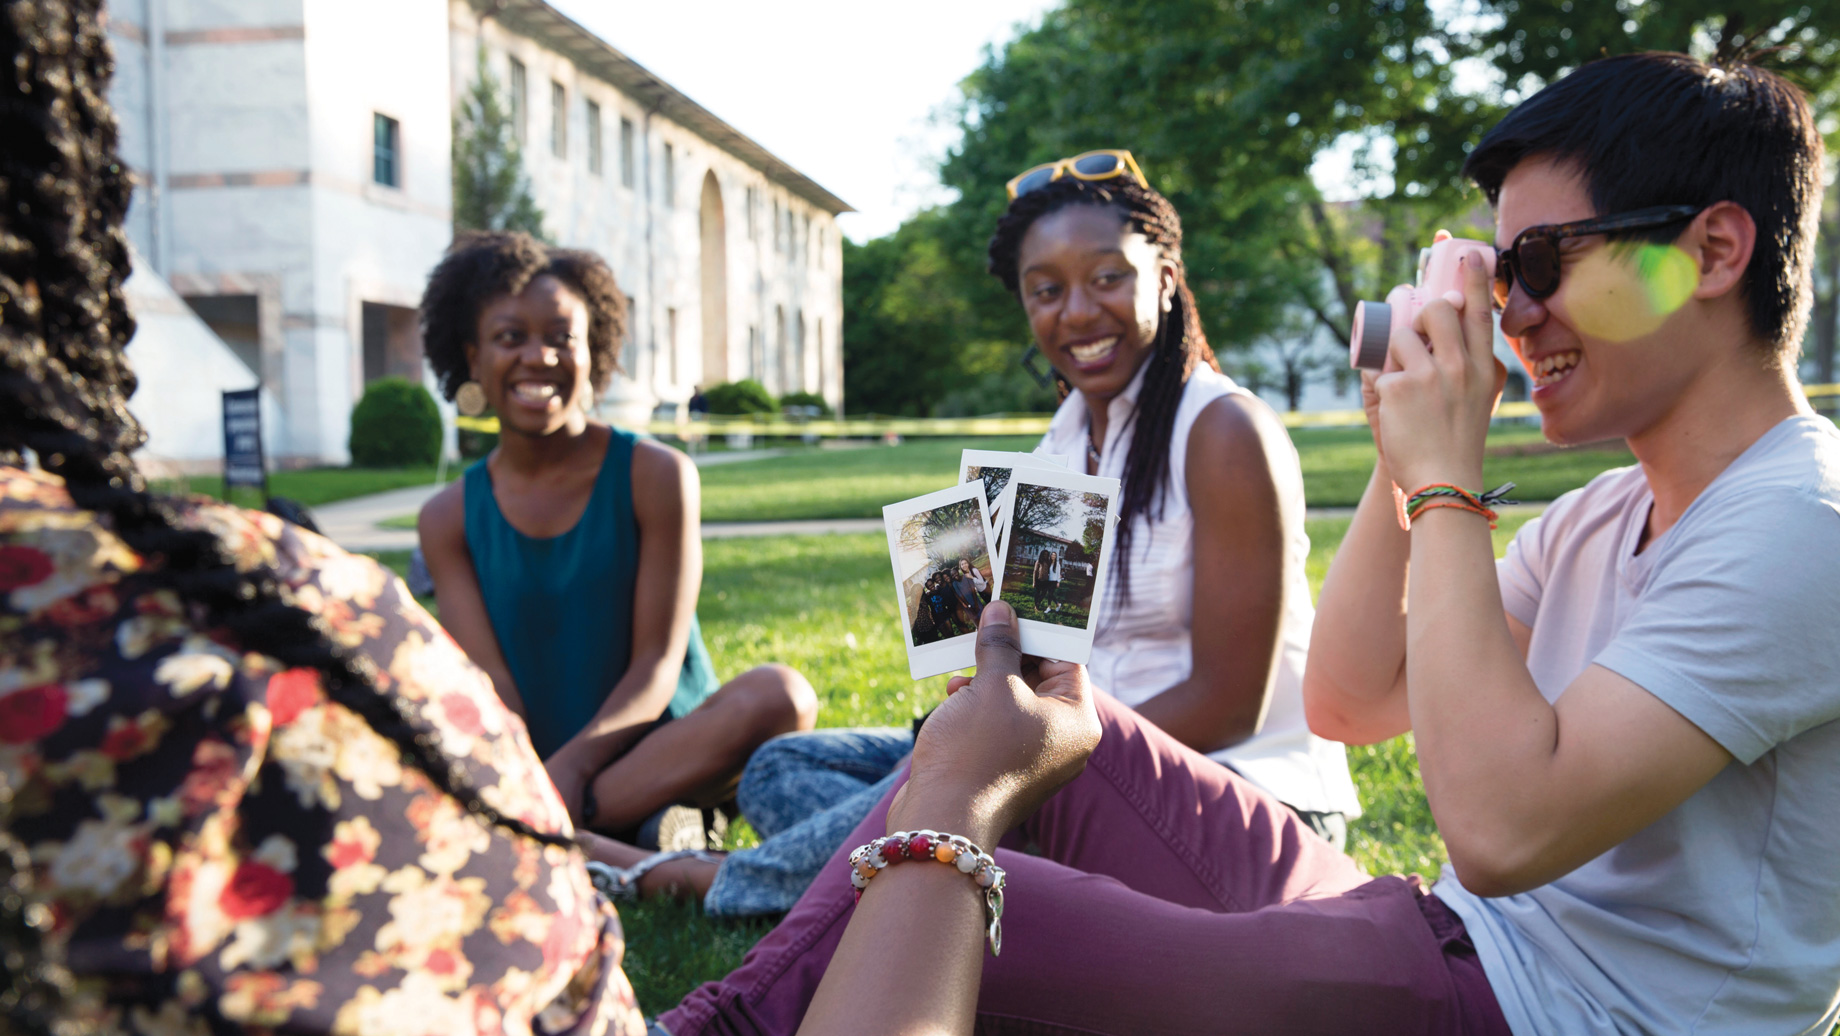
{"points": [[294, 158]]}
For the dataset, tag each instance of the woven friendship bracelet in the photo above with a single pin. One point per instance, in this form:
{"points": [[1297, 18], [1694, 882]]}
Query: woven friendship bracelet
{"points": [[1443, 494], [869, 860]]}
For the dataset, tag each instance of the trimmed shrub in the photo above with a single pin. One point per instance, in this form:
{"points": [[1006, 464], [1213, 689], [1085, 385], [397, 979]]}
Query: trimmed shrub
{"points": [[395, 425], [746, 396], [792, 399]]}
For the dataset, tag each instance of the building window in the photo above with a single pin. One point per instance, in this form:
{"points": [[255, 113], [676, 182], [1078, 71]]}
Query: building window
{"points": [[628, 354], [626, 153], [520, 109], [750, 202], [670, 341], [798, 352], [386, 150], [558, 120], [817, 255], [778, 242], [670, 177], [594, 138]]}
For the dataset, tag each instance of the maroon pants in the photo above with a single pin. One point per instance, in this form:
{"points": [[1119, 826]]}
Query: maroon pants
{"points": [[1171, 897]]}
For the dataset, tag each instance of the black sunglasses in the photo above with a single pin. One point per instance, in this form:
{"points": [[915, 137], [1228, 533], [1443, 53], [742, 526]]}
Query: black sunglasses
{"points": [[1533, 259]]}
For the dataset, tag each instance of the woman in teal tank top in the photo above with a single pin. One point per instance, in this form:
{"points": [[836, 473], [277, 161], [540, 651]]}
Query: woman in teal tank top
{"points": [[567, 563]]}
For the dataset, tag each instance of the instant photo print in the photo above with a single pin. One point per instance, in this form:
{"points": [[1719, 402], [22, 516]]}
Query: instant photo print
{"points": [[1056, 558], [944, 575], [993, 468]]}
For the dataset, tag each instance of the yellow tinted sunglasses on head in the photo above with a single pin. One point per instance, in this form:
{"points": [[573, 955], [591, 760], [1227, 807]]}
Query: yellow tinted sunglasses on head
{"points": [[1108, 164]]}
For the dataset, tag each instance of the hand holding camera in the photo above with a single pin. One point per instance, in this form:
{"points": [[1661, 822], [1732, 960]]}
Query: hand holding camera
{"points": [[1440, 269], [1433, 378]]}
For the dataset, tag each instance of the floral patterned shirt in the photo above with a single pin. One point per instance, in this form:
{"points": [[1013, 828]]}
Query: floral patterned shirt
{"points": [[211, 835]]}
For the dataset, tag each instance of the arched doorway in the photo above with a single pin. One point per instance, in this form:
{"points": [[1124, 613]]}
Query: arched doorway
{"points": [[714, 227]]}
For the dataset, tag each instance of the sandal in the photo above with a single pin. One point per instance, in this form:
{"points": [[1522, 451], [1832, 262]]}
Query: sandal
{"points": [[622, 886]]}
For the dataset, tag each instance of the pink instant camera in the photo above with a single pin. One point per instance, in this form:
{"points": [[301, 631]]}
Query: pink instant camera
{"points": [[1437, 273]]}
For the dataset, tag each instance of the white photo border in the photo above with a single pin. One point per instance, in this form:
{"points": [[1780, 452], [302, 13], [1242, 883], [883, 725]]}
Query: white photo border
{"points": [[1051, 639], [954, 653]]}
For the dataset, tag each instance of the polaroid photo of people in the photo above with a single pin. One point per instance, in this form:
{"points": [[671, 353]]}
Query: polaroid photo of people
{"points": [[993, 468], [1056, 558], [943, 575]]}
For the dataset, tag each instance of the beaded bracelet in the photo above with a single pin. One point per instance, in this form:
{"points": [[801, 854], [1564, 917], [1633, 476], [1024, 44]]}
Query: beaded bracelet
{"points": [[1443, 494], [868, 860]]}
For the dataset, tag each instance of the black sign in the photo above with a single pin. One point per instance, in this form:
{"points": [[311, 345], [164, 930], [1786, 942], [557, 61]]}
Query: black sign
{"points": [[243, 440]]}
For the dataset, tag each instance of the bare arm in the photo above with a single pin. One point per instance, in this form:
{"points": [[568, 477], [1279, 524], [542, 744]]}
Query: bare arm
{"points": [[1354, 686], [1245, 489], [1002, 742], [441, 527], [666, 505], [1523, 791]]}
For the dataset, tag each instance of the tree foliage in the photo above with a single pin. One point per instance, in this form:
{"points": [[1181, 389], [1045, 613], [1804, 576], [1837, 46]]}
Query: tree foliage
{"points": [[1228, 105], [395, 425], [491, 190]]}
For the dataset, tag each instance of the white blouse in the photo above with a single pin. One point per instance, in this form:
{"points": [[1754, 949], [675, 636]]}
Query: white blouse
{"points": [[1144, 647]]}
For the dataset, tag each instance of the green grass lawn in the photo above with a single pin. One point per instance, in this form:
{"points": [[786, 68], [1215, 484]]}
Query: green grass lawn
{"points": [[316, 486], [811, 483], [824, 604], [857, 483], [838, 483]]}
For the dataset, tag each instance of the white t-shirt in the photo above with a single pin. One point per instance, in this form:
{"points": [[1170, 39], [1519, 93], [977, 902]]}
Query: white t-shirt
{"points": [[1144, 646], [1724, 915]]}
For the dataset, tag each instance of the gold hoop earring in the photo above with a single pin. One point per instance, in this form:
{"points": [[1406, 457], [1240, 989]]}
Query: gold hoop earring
{"points": [[470, 399]]}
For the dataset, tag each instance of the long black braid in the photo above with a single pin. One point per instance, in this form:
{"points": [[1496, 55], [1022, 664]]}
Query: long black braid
{"points": [[1179, 347], [64, 387]]}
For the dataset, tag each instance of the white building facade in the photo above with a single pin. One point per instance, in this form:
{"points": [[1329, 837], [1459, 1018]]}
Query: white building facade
{"points": [[294, 159]]}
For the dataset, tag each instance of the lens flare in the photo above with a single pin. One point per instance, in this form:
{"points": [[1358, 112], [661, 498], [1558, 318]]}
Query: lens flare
{"points": [[1625, 291]]}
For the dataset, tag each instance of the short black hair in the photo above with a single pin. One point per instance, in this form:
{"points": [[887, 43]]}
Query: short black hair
{"points": [[1668, 129], [482, 265]]}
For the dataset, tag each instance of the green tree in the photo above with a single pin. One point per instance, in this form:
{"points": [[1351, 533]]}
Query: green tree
{"points": [[491, 190], [913, 343], [1229, 105]]}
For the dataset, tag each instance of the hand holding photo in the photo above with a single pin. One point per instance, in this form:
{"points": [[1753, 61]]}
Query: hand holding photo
{"points": [[1056, 557], [943, 576]]}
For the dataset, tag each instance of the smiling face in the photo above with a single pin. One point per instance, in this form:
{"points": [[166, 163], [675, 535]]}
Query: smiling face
{"points": [[531, 357], [1607, 354], [1094, 292]]}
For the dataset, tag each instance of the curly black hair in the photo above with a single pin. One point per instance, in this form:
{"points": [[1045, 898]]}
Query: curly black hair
{"points": [[64, 387], [483, 265], [1179, 347]]}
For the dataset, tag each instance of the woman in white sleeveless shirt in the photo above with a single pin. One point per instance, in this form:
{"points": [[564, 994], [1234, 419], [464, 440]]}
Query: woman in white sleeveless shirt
{"points": [[1208, 625], [1207, 628]]}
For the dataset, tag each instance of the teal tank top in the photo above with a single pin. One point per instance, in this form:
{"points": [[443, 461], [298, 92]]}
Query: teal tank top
{"points": [[562, 608]]}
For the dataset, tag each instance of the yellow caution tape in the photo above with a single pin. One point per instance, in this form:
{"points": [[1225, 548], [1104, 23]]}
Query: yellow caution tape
{"points": [[1023, 424]]}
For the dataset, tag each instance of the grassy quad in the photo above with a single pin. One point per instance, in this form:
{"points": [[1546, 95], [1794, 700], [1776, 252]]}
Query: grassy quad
{"points": [[825, 605]]}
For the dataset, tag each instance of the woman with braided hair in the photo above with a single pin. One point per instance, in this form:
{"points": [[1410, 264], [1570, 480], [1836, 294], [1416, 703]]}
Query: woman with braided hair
{"points": [[245, 780], [1208, 625], [1207, 628]]}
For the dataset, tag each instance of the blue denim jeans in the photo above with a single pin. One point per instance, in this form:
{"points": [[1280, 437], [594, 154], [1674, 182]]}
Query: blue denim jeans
{"points": [[804, 794]]}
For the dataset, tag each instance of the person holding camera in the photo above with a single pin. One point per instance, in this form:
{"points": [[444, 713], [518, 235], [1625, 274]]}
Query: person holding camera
{"points": [[1627, 726]]}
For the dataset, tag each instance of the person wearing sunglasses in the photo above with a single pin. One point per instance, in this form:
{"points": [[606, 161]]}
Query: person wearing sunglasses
{"points": [[1208, 624], [1202, 640], [1629, 728], [1626, 726]]}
